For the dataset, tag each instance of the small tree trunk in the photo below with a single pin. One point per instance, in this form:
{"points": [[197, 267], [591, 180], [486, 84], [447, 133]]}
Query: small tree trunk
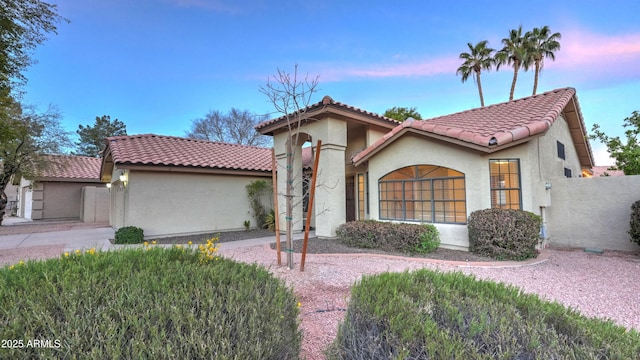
{"points": [[289, 197]]}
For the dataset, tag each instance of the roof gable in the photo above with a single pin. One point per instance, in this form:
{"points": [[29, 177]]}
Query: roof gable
{"points": [[169, 151], [499, 126], [327, 106]]}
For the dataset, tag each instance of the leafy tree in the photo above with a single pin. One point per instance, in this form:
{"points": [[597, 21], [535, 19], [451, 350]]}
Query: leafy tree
{"points": [[30, 136], [92, 137], [542, 44], [477, 59], [626, 154], [24, 24], [515, 53], [236, 127], [402, 113]]}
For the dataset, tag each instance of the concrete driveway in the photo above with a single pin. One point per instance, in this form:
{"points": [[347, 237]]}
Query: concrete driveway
{"points": [[46, 233]]}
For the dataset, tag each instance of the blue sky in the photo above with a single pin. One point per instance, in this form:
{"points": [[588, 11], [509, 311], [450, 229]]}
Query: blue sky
{"points": [[158, 64]]}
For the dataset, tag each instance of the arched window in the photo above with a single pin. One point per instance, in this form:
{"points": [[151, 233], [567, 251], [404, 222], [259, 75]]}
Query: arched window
{"points": [[424, 193]]}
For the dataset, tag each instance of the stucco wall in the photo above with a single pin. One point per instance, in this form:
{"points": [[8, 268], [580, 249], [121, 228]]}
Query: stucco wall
{"points": [[57, 200], [414, 150], [95, 204], [166, 203], [592, 212], [546, 146]]}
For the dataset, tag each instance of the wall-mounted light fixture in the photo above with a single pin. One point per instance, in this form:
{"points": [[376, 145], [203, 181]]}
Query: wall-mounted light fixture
{"points": [[109, 185], [547, 186], [123, 178]]}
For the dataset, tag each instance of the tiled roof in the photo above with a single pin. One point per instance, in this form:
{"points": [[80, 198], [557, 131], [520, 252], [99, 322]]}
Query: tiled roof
{"points": [[71, 167], [490, 126], [604, 171], [327, 103], [150, 149]]}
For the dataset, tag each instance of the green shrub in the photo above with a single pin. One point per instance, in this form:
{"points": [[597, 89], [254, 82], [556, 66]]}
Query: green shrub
{"points": [[129, 235], [255, 191], [148, 303], [371, 234], [429, 240], [432, 315], [504, 233], [270, 221], [634, 223]]}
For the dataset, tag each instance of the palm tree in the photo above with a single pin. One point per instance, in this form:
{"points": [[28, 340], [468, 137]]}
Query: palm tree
{"points": [[515, 53], [542, 44], [475, 61]]}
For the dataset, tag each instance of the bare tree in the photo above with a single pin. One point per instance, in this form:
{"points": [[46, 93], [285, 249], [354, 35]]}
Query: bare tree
{"points": [[290, 97], [236, 127]]}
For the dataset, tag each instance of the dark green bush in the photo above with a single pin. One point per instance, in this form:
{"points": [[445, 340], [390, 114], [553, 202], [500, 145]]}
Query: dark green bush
{"points": [[147, 303], [129, 235], [371, 234], [432, 315], [634, 223], [504, 233]]}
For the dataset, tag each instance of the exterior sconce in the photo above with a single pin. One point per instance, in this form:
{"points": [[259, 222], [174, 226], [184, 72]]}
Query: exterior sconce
{"points": [[109, 185], [547, 186], [123, 179]]}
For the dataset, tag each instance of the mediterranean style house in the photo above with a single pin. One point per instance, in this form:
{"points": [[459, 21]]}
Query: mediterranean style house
{"points": [[437, 170], [530, 154]]}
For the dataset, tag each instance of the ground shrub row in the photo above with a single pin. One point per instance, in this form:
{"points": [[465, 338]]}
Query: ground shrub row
{"points": [[147, 303], [504, 234], [431, 315], [386, 236]]}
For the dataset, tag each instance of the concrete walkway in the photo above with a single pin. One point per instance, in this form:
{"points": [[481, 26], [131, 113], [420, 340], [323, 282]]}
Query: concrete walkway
{"points": [[99, 238]]}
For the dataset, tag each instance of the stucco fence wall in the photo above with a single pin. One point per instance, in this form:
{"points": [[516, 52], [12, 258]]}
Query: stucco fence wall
{"points": [[592, 212], [95, 204]]}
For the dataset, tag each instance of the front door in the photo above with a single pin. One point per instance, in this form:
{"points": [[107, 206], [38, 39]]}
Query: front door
{"points": [[351, 198]]}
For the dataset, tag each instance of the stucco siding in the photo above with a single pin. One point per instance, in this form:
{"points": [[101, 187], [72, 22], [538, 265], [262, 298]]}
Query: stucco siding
{"points": [[552, 166], [593, 212], [176, 203], [413, 150]]}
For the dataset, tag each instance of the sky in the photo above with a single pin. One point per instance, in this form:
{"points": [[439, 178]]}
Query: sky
{"points": [[157, 65]]}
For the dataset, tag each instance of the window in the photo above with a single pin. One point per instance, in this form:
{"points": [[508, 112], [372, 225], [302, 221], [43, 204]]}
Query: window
{"points": [[567, 172], [505, 184], [363, 198], [560, 150], [424, 193]]}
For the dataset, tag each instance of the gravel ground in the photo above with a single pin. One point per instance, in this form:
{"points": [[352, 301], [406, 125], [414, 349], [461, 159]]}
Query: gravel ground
{"points": [[604, 286]]}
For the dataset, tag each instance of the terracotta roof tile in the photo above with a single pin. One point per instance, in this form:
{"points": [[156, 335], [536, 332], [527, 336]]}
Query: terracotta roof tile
{"points": [[150, 149], [72, 167], [604, 171], [492, 125]]}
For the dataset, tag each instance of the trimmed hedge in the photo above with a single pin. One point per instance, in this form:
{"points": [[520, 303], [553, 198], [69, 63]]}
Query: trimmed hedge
{"points": [[634, 223], [432, 315], [147, 303], [129, 235], [504, 233], [386, 236]]}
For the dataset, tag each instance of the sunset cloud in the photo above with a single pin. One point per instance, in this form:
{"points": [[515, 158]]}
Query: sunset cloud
{"points": [[598, 54], [427, 67]]}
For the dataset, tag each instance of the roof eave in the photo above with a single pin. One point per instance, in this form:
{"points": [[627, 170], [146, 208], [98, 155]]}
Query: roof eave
{"points": [[193, 170], [477, 147]]}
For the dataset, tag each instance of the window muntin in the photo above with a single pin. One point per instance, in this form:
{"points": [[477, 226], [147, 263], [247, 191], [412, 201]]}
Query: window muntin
{"points": [[424, 193], [505, 184]]}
